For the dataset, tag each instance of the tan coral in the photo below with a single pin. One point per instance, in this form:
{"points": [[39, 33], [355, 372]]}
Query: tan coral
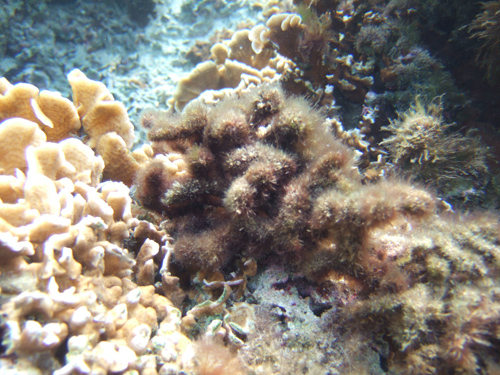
{"points": [[118, 232], [58, 117], [112, 357], [106, 117], [62, 114], [95, 206], [55, 114], [16, 135], [204, 77], [259, 37], [219, 52], [62, 234], [210, 76], [88, 166], [120, 164], [118, 198], [284, 21], [240, 47], [18, 232], [145, 269], [47, 225], [41, 194], [239, 63], [11, 187], [232, 71], [99, 112], [48, 159], [18, 214], [143, 154], [16, 101], [33, 337], [87, 93], [10, 247]]}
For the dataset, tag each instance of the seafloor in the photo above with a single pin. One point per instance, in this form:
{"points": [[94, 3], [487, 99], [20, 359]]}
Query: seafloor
{"points": [[226, 187]]}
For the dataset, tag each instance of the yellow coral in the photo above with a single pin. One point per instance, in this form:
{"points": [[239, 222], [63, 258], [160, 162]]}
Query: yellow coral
{"points": [[55, 114], [62, 114], [16, 135], [121, 166], [16, 101], [99, 112]]}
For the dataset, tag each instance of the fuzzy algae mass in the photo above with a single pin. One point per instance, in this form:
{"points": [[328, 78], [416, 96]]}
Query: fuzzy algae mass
{"points": [[265, 170]]}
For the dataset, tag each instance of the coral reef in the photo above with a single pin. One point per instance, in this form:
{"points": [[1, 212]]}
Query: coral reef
{"points": [[296, 209], [353, 47], [263, 177], [104, 122], [360, 62]]}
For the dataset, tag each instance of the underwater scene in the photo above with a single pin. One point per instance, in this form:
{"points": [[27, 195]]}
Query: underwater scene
{"points": [[249, 187]]}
